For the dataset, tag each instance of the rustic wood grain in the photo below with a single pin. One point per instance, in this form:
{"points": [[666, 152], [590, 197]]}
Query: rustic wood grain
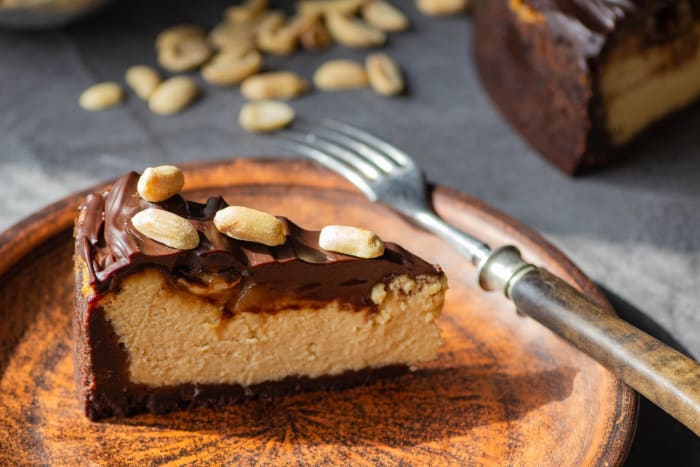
{"points": [[504, 389]]}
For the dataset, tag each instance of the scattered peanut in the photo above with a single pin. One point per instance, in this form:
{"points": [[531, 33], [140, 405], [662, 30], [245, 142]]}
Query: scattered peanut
{"points": [[272, 21], [274, 85], [246, 12], [232, 66], [279, 42], [176, 34], [353, 32], [166, 228], [101, 96], [157, 184], [384, 74], [340, 74], [173, 95], [323, 7], [384, 16], [249, 26], [250, 225], [282, 39], [238, 36], [315, 36], [263, 116], [351, 241], [298, 23], [187, 54], [143, 80], [442, 7], [274, 37]]}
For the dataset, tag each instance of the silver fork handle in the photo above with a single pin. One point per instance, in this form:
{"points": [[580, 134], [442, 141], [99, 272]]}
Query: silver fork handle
{"points": [[497, 269], [473, 249]]}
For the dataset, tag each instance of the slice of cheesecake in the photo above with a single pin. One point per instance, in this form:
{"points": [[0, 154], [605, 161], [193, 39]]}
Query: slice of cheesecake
{"points": [[580, 80], [181, 304]]}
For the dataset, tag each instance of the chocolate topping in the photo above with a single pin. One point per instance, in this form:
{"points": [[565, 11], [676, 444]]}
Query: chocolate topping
{"points": [[267, 277], [589, 24]]}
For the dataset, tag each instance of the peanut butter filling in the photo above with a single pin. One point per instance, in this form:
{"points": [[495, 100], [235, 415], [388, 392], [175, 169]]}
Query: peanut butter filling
{"points": [[641, 85], [174, 337]]}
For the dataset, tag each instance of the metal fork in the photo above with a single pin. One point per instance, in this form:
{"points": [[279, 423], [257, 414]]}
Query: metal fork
{"points": [[388, 175]]}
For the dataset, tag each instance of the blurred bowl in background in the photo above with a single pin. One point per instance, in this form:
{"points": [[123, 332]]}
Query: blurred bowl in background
{"points": [[42, 14]]}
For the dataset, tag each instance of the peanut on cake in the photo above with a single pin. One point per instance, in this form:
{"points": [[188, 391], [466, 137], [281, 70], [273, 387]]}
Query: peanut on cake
{"points": [[181, 304]]}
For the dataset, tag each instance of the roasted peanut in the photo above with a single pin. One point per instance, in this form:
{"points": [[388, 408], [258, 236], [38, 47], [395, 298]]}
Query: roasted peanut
{"points": [[167, 228], [442, 7], [384, 16], [157, 184], [173, 35], [231, 66], [250, 225], [143, 80], [274, 37], [187, 54], [299, 23], [274, 85], [384, 74], [340, 74], [315, 36], [272, 21], [245, 12], [280, 42], [353, 32], [173, 95], [101, 96], [233, 36], [263, 116], [282, 39], [351, 241], [317, 8]]}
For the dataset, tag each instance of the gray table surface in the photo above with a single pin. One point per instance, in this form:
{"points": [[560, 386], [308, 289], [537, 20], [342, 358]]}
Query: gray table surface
{"points": [[633, 228]]}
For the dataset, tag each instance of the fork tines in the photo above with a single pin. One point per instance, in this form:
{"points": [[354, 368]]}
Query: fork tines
{"points": [[347, 145]]}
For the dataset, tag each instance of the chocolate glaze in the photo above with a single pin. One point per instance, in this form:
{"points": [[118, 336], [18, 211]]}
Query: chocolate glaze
{"points": [[589, 25], [299, 269]]}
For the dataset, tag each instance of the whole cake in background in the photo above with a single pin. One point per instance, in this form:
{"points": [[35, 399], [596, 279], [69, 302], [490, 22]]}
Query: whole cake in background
{"points": [[181, 304], [580, 80]]}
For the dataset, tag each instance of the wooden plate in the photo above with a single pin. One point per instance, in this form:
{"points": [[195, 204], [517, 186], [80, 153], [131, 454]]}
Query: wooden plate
{"points": [[504, 389]]}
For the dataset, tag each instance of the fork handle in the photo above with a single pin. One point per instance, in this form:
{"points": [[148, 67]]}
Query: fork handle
{"points": [[666, 377]]}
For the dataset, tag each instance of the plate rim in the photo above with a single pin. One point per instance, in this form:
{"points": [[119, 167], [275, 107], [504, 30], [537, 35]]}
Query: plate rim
{"points": [[19, 240]]}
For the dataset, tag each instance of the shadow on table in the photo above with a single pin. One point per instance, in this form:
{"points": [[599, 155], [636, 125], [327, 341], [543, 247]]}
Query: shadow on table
{"points": [[660, 439]]}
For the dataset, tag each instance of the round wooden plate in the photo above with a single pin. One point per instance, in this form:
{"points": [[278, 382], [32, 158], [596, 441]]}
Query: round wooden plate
{"points": [[503, 391]]}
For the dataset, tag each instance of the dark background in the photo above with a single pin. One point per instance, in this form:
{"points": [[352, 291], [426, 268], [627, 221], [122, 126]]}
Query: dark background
{"points": [[633, 228]]}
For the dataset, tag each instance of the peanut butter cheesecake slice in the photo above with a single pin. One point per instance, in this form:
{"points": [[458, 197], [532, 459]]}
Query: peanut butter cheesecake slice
{"points": [[181, 304], [580, 80]]}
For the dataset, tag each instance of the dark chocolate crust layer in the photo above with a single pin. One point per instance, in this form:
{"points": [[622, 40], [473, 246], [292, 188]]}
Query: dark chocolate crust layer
{"points": [[540, 61]]}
